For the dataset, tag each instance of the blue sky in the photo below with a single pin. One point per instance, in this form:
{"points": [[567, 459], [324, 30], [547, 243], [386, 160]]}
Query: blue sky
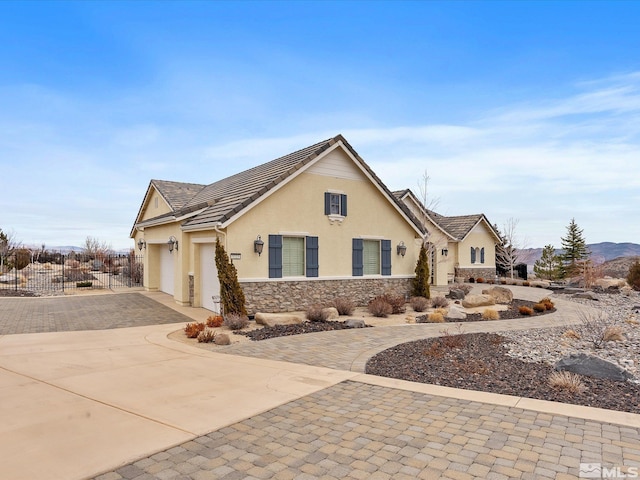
{"points": [[524, 110]]}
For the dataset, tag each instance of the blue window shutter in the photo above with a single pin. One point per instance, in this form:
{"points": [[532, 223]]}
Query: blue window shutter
{"points": [[473, 255], [385, 250], [327, 203], [312, 256], [357, 261], [275, 256], [343, 205], [482, 255]]}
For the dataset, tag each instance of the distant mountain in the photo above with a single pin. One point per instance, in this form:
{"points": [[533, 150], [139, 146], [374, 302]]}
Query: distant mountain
{"points": [[600, 252]]}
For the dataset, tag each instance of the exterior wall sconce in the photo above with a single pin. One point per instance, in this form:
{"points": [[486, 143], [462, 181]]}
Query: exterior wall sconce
{"points": [[445, 251], [173, 243], [141, 244], [401, 249], [258, 245]]}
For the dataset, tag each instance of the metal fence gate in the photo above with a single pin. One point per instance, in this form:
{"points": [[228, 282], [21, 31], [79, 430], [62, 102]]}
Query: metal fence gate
{"points": [[58, 273]]}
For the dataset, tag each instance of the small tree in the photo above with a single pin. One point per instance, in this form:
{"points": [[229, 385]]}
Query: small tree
{"points": [[549, 266], [96, 249], [421, 281], [633, 278], [8, 245], [508, 251], [231, 294], [575, 249]]}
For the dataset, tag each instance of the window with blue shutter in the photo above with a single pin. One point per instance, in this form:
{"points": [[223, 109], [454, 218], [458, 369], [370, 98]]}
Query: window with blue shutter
{"points": [[473, 255], [356, 259], [335, 204], [312, 256], [385, 251], [275, 256]]}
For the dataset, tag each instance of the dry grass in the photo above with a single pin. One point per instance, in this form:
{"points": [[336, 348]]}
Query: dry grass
{"points": [[567, 381], [548, 303], [490, 314], [539, 307], [524, 310], [316, 313], [439, 302], [192, 330], [613, 333], [206, 336], [235, 321], [379, 307], [435, 317], [571, 334]]}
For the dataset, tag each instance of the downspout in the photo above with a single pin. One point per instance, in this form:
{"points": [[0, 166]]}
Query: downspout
{"points": [[216, 228]]}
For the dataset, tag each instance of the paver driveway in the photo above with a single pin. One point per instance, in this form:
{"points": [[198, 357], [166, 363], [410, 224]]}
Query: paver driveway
{"points": [[87, 312]]}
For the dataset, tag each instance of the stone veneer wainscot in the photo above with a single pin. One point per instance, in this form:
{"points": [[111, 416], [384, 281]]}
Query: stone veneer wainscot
{"points": [[288, 296]]}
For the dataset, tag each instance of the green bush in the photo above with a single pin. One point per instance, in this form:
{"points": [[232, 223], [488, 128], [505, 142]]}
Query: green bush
{"points": [[84, 284], [633, 279]]}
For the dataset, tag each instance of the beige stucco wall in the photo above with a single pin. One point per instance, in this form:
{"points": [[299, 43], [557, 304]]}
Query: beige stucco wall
{"points": [[479, 237], [150, 209], [298, 209]]}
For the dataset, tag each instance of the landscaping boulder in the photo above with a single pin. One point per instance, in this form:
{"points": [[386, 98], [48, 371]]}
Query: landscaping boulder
{"points": [[272, 319], [355, 323], [586, 296], [456, 294], [456, 313], [472, 301], [222, 339], [591, 366], [499, 294], [331, 313]]}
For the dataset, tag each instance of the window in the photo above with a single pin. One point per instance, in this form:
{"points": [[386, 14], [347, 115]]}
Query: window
{"points": [[477, 255], [335, 204], [371, 257], [293, 256]]}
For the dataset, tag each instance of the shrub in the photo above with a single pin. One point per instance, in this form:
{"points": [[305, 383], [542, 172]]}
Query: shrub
{"points": [[548, 303], [215, 321], [379, 307], [540, 307], [524, 310], [525, 283], [344, 305], [490, 314], [206, 336], [503, 282], [441, 311], [236, 321], [435, 317], [472, 280], [84, 284], [596, 326], [439, 302], [316, 313], [567, 381], [479, 280], [397, 303], [419, 304], [421, 287], [231, 294], [633, 278], [193, 329]]}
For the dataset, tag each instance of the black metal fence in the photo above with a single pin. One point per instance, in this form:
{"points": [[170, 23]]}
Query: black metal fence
{"points": [[58, 273]]}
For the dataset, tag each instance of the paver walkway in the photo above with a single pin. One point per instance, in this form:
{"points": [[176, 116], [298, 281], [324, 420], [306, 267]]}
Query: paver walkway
{"points": [[346, 425]]}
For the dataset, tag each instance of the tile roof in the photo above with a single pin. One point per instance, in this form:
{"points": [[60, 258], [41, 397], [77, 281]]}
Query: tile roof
{"points": [[220, 201], [457, 226]]}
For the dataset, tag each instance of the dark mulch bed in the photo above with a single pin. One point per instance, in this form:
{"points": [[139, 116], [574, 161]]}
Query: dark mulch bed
{"points": [[479, 362], [510, 313], [285, 330], [16, 293]]}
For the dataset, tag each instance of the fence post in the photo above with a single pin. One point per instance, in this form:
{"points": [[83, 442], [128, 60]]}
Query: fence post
{"points": [[62, 258]]}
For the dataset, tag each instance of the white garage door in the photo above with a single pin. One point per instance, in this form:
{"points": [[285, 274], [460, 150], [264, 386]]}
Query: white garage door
{"points": [[209, 283], [166, 271]]}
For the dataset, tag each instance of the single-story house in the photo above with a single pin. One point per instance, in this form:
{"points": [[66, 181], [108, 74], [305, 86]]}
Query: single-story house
{"points": [[302, 229]]}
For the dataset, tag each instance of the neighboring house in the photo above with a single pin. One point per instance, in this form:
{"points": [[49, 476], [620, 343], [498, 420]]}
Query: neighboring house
{"points": [[301, 229], [463, 247]]}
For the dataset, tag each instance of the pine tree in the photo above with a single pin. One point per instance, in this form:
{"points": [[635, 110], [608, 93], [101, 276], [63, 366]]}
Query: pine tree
{"points": [[550, 265], [421, 281], [231, 295], [575, 249]]}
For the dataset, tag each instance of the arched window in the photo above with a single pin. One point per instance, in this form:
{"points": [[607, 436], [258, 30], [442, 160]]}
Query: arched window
{"points": [[473, 255], [482, 255]]}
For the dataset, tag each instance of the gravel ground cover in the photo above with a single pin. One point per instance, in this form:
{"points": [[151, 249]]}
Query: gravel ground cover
{"points": [[16, 293], [481, 362], [285, 330]]}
